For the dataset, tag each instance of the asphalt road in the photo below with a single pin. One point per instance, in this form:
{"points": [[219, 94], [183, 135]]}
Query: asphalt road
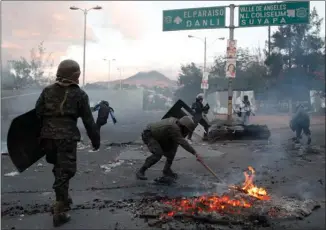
{"points": [[105, 180]]}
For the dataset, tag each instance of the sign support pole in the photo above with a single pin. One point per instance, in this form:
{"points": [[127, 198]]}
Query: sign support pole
{"points": [[231, 37], [204, 69]]}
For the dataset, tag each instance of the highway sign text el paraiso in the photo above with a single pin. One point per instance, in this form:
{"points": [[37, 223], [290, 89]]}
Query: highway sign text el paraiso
{"points": [[194, 19], [282, 13]]}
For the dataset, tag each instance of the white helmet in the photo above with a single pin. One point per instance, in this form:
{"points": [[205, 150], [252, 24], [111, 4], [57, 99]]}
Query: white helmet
{"points": [[200, 96]]}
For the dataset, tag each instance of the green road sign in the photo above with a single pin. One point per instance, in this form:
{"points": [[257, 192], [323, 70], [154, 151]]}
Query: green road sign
{"points": [[271, 14], [194, 19]]}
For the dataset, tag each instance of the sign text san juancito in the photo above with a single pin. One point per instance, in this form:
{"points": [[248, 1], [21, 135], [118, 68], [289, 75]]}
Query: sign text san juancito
{"points": [[270, 14], [194, 18]]}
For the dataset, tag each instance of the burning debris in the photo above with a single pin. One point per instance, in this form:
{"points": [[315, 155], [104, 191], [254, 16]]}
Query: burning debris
{"points": [[241, 205], [249, 187]]}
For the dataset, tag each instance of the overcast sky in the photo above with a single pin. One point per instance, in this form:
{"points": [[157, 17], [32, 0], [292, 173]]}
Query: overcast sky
{"points": [[130, 32]]}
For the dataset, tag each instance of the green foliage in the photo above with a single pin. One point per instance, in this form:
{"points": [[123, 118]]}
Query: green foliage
{"points": [[189, 81], [23, 73], [295, 46], [297, 51]]}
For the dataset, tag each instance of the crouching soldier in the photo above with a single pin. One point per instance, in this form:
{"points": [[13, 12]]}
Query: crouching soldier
{"points": [[301, 122], [162, 139], [198, 110], [104, 111], [59, 107]]}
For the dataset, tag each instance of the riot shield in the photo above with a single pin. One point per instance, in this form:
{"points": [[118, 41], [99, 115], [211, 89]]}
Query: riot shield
{"points": [[23, 140], [180, 109]]}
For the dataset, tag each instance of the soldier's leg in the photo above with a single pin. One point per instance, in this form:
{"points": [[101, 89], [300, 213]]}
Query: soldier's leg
{"points": [[64, 169], [298, 132], [157, 153], [167, 171], [307, 132]]}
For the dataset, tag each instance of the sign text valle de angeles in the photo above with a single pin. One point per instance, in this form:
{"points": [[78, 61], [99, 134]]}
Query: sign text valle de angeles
{"points": [[272, 14]]}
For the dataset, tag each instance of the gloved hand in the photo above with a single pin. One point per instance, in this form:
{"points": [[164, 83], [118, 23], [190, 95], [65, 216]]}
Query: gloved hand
{"points": [[198, 157]]}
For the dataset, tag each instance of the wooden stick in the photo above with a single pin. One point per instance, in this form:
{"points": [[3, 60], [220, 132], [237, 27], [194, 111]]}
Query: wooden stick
{"points": [[210, 170]]}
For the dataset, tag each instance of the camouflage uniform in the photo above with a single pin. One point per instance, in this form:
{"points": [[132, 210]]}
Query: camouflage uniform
{"points": [[301, 122], [59, 107], [162, 139]]}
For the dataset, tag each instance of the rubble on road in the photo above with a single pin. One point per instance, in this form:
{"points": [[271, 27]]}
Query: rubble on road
{"points": [[257, 212]]}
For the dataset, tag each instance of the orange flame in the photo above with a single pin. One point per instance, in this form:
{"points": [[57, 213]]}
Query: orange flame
{"points": [[252, 190], [220, 204], [205, 204]]}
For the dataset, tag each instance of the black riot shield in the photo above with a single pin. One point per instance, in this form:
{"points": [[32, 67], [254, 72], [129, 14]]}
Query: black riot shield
{"points": [[23, 140], [180, 109]]}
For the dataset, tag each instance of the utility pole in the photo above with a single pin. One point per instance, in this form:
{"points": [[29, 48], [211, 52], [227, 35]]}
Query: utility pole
{"points": [[231, 37], [109, 76], [120, 78], [204, 71], [269, 41], [205, 56], [85, 11], [84, 53]]}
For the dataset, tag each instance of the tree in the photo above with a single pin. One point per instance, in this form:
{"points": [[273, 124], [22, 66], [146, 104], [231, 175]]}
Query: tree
{"points": [[250, 70], [7, 78], [297, 46], [189, 82], [26, 73]]}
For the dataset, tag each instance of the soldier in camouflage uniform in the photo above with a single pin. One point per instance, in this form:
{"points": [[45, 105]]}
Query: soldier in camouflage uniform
{"points": [[162, 139], [59, 107]]}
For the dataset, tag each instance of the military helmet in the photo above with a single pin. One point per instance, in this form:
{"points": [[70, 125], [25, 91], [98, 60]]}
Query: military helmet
{"points": [[68, 69], [200, 96], [104, 102], [188, 123]]}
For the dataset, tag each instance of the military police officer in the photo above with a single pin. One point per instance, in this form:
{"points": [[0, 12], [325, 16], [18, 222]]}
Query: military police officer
{"points": [[162, 139], [59, 107], [198, 110]]}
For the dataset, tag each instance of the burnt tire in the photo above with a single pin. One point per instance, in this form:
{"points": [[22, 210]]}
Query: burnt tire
{"points": [[259, 132]]}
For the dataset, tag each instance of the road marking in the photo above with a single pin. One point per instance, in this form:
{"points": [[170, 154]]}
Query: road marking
{"points": [[20, 95]]}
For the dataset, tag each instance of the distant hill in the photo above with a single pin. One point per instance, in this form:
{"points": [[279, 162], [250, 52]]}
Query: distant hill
{"points": [[151, 78]]}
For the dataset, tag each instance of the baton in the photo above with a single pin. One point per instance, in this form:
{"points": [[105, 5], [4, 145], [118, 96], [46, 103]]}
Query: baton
{"points": [[210, 170]]}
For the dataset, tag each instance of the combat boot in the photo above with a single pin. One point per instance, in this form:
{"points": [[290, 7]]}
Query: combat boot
{"points": [[66, 205], [309, 140], [169, 173], [140, 174], [60, 217]]}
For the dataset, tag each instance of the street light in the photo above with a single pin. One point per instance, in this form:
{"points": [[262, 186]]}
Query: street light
{"points": [[85, 11], [205, 49], [119, 69], [109, 61]]}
